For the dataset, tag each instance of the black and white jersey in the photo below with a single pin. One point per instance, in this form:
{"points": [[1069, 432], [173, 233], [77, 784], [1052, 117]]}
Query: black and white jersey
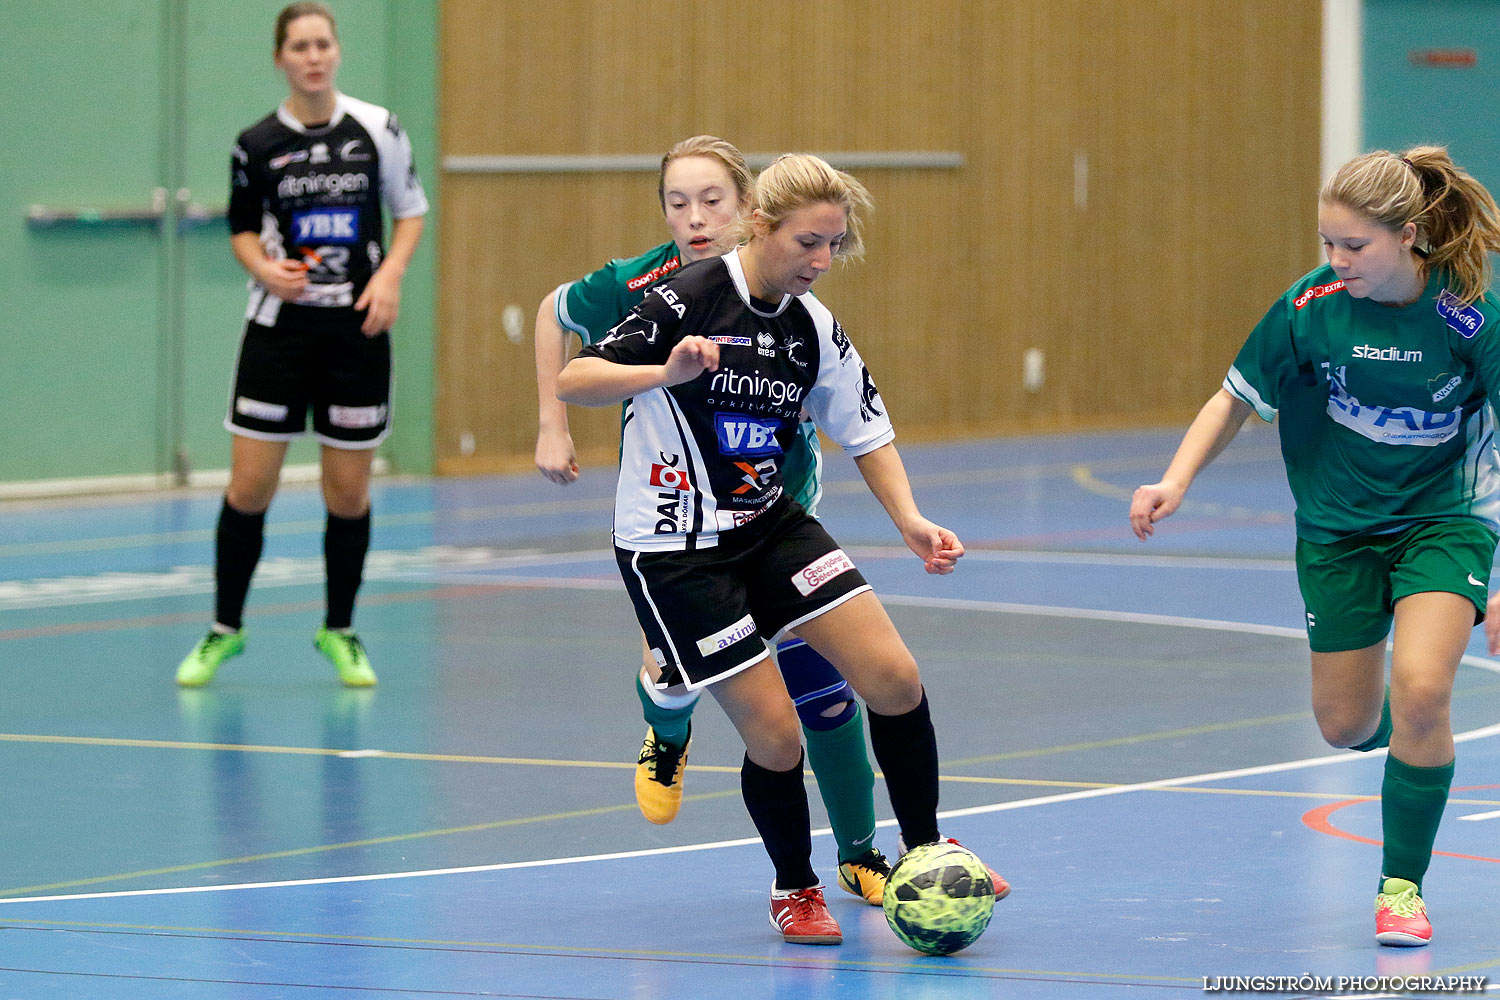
{"points": [[704, 457], [315, 195]]}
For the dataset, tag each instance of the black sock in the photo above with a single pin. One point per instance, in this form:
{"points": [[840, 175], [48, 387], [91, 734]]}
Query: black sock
{"points": [[345, 542], [906, 748], [777, 802], [237, 545]]}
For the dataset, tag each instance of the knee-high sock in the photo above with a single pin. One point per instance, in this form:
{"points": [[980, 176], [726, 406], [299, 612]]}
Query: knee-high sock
{"points": [[346, 540], [906, 748], [777, 803], [237, 546], [1411, 807], [846, 783]]}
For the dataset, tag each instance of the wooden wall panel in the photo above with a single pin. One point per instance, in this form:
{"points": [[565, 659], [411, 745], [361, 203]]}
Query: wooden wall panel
{"points": [[1197, 123]]}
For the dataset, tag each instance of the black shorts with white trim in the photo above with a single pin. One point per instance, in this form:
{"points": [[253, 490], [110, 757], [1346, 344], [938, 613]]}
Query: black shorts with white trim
{"points": [[708, 613], [314, 359]]}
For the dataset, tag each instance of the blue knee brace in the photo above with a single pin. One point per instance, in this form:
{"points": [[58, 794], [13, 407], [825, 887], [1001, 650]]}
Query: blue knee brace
{"points": [[815, 686]]}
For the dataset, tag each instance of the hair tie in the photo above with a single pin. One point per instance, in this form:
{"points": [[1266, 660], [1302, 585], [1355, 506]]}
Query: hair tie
{"points": [[1409, 164]]}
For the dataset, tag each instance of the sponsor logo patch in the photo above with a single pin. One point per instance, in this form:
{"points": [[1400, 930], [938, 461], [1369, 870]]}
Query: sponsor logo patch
{"points": [[259, 410], [1386, 424], [1317, 292], [841, 341], [742, 435], [818, 572], [327, 225], [334, 184], [667, 478], [726, 637], [641, 281], [791, 344], [755, 386], [732, 341], [756, 477], [356, 417], [297, 156], [1443, 385], [1465, 320], [1385, 353]]}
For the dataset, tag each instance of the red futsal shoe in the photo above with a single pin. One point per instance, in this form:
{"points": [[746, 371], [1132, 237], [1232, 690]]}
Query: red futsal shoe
{"points": [[802, 917]]}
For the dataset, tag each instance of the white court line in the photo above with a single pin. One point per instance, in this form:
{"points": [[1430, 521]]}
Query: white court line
{"points": [[995, 606], [1043, 800], [1480, 816]]}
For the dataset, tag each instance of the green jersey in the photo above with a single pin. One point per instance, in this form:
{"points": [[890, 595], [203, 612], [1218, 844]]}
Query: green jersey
{"points": [[597, 302], [1383, 415]]}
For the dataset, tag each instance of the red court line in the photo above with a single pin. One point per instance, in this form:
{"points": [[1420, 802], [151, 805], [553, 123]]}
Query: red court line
{"points": [[1318, 820], [188, 617]]}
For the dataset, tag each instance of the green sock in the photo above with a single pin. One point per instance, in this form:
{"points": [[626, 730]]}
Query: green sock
{"points": [[1382, 737], [670, 724], [847, 784], [1411, 806]]}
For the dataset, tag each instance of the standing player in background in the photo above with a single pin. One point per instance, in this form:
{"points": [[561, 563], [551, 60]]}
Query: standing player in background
{"points": [[716, 361], [307, 184], [1382, 364], [703, 187]]}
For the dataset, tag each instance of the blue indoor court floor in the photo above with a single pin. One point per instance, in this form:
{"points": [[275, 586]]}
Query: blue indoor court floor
{"points": [[1125, 734]]}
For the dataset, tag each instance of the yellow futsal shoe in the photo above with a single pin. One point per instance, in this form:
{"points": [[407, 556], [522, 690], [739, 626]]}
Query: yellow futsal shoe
{"points": [[347, 654], [658, 777], [866, 877]]}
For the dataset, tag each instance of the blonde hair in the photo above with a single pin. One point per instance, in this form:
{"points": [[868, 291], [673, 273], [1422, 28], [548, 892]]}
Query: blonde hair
{"points": [[304, 8], [1457, 221], [714, 148], [796, 180]]}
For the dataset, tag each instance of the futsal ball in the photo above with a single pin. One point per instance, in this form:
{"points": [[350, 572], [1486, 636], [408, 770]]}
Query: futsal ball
{"points": [[939, 898]]}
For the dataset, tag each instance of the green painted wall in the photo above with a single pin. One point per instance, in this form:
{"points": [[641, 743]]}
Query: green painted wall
{"points": [[117, 342], [1409, 102]]}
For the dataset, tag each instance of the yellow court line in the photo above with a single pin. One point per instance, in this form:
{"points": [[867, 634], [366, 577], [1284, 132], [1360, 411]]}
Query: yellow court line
{"points": [[1121, 741], [325, 848]]}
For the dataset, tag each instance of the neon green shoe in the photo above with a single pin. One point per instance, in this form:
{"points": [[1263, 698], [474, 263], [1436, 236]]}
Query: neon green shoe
{"points": [[347, 654], [199, 666]]}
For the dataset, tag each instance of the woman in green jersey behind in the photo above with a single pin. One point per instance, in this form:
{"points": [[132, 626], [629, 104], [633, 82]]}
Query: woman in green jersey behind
{"points": [[1382, 364], [703, 186]]}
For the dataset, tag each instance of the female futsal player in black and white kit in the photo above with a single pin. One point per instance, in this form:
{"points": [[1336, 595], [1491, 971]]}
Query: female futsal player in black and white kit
{"points": [[308, 183], [718, 362]]}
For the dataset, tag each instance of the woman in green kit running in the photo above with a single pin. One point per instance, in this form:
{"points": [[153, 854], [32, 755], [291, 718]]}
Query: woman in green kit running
{"points": [[1382, 364], [703, 186]]}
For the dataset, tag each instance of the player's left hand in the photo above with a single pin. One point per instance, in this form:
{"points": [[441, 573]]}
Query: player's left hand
{"points": [[937, 547], [382, 299]]}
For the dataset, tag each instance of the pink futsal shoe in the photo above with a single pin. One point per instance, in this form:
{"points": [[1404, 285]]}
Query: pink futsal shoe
{"points": [[1401, 916]]}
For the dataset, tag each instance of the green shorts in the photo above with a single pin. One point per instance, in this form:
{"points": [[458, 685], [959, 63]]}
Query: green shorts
{"points": [[1350, 587]]}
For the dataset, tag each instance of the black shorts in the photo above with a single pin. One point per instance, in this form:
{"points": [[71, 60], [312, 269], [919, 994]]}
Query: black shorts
{"points": [[315, 359], [708, 613]]}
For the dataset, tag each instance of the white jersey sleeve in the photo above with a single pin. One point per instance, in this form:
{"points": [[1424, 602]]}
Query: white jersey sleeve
{"points": [[400, 188], [843, 401]]}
